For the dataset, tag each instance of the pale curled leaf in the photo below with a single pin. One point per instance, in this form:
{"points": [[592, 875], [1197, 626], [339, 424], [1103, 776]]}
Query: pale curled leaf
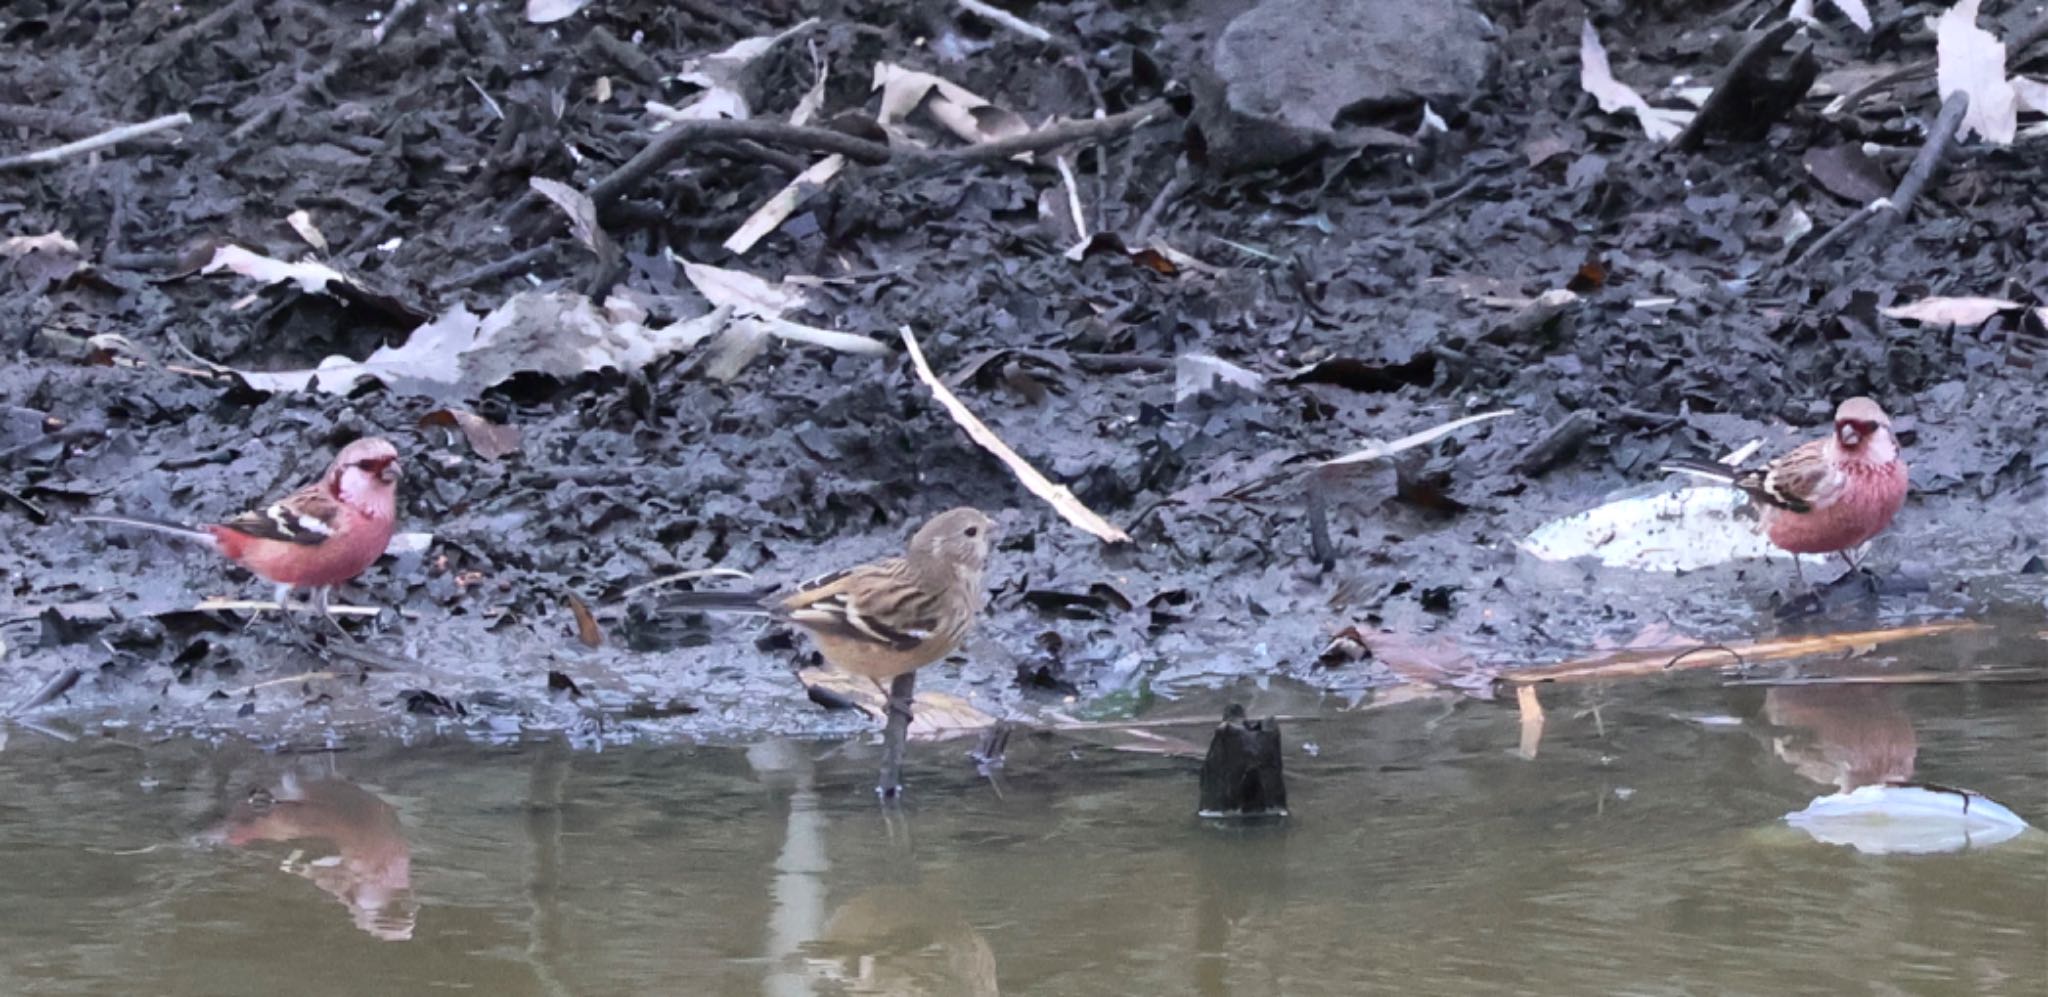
{"points": [[1058, 496], [49, 242], [580, 210], [490, 440], [1379, 451], [311, 277], [750, 296], [462, 353], [1854, 10], [777, 209], [1972, 60], [1950, 311], [301, 222], [550, 11], [1597, 78]]}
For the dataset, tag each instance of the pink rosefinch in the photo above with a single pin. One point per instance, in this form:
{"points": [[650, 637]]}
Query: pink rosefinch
{"points": [[1826, 496], [318, 537]]}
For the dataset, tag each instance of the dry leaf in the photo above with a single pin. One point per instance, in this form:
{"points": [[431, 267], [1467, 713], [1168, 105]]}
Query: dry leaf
{"points": [[1597, 78], [770, 215], [48, 242], [311, 277], [1972, 60], [1375, 450], [462, 353], [489, 439], [550, 11], [2032, 94], [582, 213], [752, 297], [1859, 15], [933, 715], [963, 112], [722, 75], [587, 629], [1058, 496], [1950, 311], [301, 222]]}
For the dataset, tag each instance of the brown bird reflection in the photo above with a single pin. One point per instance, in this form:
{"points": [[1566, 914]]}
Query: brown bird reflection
{"points": [[370, 870], [1842, 735], [901, 941]]}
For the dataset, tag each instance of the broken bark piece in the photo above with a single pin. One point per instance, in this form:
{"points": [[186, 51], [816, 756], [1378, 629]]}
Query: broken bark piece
{"points": [[1747, 99], [1242, 777], [1558, 444]]}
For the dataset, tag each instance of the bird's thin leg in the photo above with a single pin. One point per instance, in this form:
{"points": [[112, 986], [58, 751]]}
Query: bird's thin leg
{"points": [[1800, 570], [902, 690], [320, 597], [284, 607]]}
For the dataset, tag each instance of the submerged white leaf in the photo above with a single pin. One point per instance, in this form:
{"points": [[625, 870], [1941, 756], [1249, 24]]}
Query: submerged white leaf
{"points": [[1950, 311], [1907, 820]]}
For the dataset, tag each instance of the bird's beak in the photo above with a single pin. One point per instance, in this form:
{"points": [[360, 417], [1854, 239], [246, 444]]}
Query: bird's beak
{"points": [[1849, 434], [389, 473]]}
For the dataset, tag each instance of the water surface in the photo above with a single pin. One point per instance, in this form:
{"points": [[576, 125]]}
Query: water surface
{"points": [[1640, 851]]}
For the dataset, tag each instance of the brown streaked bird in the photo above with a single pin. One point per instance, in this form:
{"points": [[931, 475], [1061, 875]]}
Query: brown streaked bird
{"points": [[885, 619]]}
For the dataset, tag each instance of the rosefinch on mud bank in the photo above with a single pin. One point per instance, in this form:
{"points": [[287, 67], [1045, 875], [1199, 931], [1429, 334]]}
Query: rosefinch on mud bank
{"points": [[887, 618], [318, 537], [1826, 496]]}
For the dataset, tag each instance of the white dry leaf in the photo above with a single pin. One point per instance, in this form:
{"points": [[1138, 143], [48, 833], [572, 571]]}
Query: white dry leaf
{"points": [[462, 353], [1854, 10], [722, 74], [1375, 450], [581, 211], [1196, 373], [813, 101], [311, 277], [550, 11], [1964, 312], [749, 296], [1972, 60], [301, 222], [963, 112], [1597, 78], [17, 246], [776, 210], [2032, 94], [1059, 497]]}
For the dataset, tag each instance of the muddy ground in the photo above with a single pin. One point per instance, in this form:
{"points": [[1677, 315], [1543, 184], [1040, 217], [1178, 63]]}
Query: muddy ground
{"points": [[413, 157]]}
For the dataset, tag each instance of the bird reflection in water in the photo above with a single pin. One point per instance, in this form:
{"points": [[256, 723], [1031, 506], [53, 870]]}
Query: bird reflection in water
{"points": [[1842, 735], [902, 941], [370, 870]]}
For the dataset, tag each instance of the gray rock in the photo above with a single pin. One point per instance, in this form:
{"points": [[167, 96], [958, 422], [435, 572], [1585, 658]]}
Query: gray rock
{"points": [[1282, 73]]}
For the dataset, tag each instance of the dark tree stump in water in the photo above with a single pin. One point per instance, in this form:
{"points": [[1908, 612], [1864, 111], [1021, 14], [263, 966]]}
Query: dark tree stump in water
{"points": [[1242, 776]]}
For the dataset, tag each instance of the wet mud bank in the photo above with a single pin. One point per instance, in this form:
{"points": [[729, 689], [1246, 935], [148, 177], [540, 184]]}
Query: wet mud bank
{"points": [[1365, 293]]}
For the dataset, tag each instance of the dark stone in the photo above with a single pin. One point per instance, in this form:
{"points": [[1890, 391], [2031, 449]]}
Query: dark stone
{"points": [[1282, 74]]}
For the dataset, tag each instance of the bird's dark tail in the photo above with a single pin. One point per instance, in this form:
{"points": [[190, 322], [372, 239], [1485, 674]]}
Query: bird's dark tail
{"points": [[722, 601], [153, 525], [1701, 468]]}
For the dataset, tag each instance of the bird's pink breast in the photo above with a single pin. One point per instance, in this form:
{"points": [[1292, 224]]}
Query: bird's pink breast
{"points": [[1865, 506]]}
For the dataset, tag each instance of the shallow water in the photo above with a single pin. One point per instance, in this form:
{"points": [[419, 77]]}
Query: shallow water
{"points": [[1641, 851]]}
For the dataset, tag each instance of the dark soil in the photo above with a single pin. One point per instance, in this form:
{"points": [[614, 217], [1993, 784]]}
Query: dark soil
{"points": [[1370, 267]]}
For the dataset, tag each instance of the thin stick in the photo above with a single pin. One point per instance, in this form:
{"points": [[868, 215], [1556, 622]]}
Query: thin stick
{"points": [[104, 139], [1052, 136], [1005, 19], [1885, 212], [1059, 497]]}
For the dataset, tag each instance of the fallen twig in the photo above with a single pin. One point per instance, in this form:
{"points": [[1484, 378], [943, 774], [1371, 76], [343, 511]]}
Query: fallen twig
{"points": [[1005, 19], [673, 140], [1637, 662], [1886, 211], [1058, 496], [102, 140]]}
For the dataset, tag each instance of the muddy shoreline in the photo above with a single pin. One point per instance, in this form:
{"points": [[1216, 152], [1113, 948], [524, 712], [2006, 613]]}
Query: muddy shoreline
{"points": [[1369, 312]]}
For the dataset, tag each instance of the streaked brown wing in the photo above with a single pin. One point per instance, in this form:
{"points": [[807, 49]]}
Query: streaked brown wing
{"points": [[308, 516], [874, 604], [1799, 480]]}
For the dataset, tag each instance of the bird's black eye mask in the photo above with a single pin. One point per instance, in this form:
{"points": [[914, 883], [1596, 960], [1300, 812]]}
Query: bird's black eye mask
{"points": [[1852, 432]]}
